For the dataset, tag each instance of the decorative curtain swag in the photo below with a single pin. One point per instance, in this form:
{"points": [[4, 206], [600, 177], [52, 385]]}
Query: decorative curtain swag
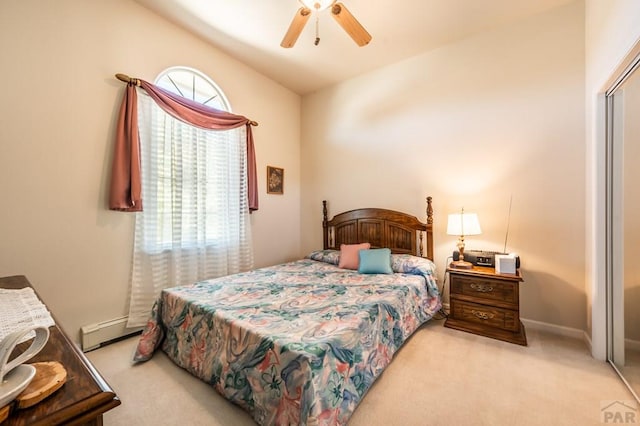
{"points": [[125, 192]]}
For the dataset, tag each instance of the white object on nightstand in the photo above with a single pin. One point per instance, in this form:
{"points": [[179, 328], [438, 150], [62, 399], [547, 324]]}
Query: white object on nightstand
{"points": [[505, 263]]}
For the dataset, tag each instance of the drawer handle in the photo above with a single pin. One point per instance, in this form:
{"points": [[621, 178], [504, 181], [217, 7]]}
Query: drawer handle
{"points": [[482, 315], [482, 288]]}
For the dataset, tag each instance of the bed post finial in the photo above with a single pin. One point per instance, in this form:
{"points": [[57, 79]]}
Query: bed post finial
{"points": [[324, 211], [325, 231], [429, 211]]}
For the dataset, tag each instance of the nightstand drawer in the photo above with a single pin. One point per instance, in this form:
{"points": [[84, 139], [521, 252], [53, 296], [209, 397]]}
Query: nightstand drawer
{"points": [[481, 288], [489, 316]]}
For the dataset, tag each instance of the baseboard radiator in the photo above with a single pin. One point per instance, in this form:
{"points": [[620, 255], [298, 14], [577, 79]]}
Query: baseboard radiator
{"points": [[95, 335]]}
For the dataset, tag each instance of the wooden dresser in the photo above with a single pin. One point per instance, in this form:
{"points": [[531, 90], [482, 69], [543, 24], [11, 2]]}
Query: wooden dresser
{"points": [[82, 399], [486, 303]]}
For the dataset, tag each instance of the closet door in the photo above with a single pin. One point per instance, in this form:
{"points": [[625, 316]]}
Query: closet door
{"points": [[623, 111]]}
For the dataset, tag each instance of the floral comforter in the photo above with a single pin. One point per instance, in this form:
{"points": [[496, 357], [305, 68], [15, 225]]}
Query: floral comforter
{"points": [[293, 344]]}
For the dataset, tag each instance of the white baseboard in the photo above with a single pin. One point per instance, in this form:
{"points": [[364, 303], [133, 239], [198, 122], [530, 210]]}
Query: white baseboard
{"points": [[560, 330], [632, 344], [94, 335], [587, 340]]}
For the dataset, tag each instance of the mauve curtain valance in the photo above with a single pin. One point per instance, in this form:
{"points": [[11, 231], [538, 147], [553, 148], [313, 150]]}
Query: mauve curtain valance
{"points": [[125, 194]]}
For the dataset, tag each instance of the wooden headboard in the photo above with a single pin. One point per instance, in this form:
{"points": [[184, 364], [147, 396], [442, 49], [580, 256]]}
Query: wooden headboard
{"points": [[401, 232]]}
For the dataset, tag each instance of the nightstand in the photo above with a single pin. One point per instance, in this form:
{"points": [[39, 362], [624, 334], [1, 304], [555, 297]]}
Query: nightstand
{"points": [[485, 303]]}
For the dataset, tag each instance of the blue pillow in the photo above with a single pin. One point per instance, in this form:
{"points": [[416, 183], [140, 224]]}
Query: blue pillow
{"points": [[375, 261]]}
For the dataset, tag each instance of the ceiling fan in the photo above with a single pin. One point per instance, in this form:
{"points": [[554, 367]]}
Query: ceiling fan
{"points": [[340, 13]]}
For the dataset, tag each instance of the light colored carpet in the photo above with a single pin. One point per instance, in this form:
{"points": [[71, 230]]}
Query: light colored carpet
{"points": [[439, 377]]}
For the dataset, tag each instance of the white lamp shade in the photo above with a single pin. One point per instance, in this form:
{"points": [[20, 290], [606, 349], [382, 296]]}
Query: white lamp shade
{"points": [[463, 224]]}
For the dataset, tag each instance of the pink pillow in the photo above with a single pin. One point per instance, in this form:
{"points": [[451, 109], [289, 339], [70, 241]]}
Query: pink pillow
{"points": [[349, 255]]}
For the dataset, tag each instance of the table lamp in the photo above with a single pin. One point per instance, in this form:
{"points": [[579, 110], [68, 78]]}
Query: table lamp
{"points": [[462, 224]]}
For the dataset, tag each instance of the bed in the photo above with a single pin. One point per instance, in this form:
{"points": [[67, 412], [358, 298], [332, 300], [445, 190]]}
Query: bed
{"points": [[301, 343]]}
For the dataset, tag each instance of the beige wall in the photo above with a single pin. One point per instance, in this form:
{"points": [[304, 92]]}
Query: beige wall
{"points": [[58, 102], [611, 29], [473, 123]]}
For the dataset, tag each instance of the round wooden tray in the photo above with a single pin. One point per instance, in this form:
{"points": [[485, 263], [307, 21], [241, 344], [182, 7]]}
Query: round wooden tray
{"points": [[4, 413], [50, 376]]}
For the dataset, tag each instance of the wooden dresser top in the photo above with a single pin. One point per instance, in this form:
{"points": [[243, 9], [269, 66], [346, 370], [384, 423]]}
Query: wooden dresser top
{"points": [[84, 396]]}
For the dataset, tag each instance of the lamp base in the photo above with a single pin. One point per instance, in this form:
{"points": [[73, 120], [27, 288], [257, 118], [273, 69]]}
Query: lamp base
{"points": [[461, 264]]}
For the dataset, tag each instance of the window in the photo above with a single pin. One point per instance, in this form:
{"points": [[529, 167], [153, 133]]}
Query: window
{"points": [[189, 172], [195, 224], [194, 85]]}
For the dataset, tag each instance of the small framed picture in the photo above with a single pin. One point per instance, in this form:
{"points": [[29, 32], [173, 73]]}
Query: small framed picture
{"points": [[275, 180]]}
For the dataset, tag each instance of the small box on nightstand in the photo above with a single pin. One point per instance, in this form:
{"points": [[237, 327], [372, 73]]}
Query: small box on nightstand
{"points": [[505, 263]]}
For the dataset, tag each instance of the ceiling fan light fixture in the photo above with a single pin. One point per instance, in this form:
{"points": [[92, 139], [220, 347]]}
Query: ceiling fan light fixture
{"points": [[339, 12], [317, 5]]}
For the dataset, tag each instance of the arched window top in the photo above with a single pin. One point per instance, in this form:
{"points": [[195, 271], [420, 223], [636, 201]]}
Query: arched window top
{"points": [[193, 84]]}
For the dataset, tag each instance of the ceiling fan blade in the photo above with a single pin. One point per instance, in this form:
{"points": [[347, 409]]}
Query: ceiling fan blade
{"points": [[297, 24], [350, 24]]}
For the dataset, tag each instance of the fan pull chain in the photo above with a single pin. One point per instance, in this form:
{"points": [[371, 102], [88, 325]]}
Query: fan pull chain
{"points": [[317, 31]]}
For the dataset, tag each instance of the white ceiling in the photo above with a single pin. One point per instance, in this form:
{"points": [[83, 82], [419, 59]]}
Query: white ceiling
{"points": [[251, 31]]}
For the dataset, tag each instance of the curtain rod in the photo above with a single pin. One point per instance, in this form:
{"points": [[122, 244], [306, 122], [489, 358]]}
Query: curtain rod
{"points": [[127, 79]]}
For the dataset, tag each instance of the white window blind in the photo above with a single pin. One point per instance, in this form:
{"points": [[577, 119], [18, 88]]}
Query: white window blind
{"points": [[195, 224]]}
